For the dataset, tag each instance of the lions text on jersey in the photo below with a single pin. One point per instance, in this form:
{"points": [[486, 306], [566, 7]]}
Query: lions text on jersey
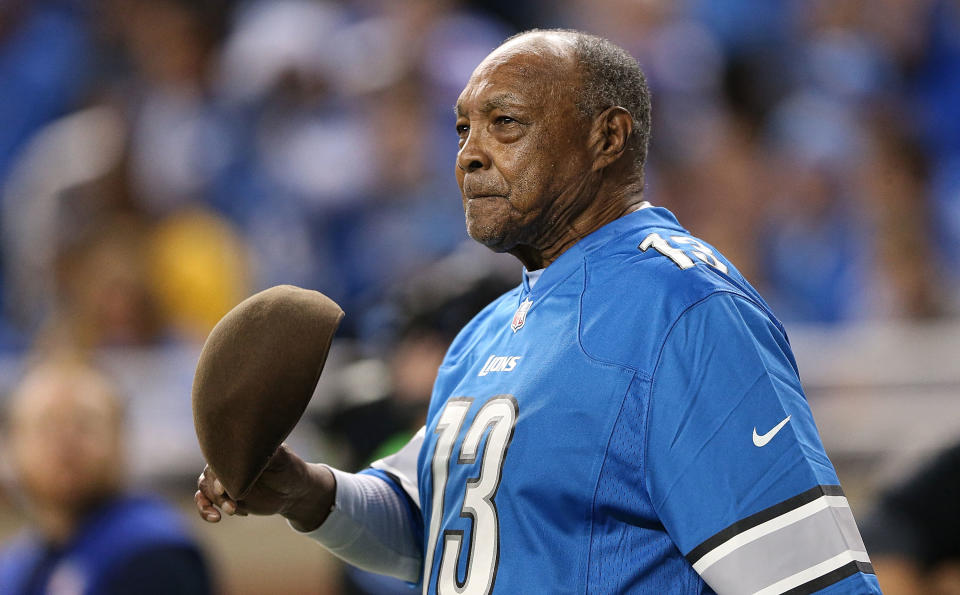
{"points": [[634, 423]]}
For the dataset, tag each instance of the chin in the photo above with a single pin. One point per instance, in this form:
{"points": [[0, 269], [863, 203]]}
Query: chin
{"points": [[488, 235], [489, 225]]}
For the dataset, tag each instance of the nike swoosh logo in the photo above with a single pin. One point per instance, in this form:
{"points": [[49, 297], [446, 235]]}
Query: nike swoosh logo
{"points": [[759, 440]]}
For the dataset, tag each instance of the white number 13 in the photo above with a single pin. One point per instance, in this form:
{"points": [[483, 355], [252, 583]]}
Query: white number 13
{"points": [[678, 255], [499, 414]]}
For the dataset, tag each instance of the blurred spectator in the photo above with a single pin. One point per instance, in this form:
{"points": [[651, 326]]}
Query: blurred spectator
{"points": [[65, 185], [45, 53], [383, 401], [912, 534], [934, 87], [103, 292], [66, 441], [175, 147], [198, 271], [318, 132], [816, 252]]}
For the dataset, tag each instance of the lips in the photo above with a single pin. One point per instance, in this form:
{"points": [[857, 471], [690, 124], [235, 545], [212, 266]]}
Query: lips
{"points": [[476, 190]]}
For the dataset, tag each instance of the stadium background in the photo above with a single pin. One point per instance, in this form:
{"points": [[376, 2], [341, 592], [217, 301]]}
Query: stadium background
{"points": [[162, 159]]}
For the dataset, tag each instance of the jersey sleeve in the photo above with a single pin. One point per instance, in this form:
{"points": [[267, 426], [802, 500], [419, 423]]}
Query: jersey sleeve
{"points": [[401, 467], [376, 523], [401, 472], [735, 467]]}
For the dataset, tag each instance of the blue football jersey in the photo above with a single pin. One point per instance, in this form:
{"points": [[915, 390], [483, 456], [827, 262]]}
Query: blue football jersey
{"points": [[634, 423]]}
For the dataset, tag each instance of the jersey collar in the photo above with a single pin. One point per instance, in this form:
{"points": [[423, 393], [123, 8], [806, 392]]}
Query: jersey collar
{"points": [[561, 268]]}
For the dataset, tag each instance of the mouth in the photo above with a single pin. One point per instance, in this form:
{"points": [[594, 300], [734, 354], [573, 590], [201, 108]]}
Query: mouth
{"points": [[483, 196]]}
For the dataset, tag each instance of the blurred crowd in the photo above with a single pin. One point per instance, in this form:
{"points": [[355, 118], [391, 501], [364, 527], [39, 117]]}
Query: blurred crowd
{"points": [[162, 159]]}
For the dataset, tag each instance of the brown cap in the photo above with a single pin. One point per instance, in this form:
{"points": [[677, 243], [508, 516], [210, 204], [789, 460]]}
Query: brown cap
{"points": [[256, 374]]}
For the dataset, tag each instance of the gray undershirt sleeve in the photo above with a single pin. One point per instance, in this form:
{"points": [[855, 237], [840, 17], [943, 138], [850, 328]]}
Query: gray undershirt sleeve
{"points": [[370, 528]]}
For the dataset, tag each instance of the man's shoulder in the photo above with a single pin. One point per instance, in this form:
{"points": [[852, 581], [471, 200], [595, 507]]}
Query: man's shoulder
{"points": [[18, 557], [640, 282], [658, 253], [22, 545]]}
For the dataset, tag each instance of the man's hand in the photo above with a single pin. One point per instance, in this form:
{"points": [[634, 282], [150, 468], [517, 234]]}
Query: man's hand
{"points": [[301, 492]]}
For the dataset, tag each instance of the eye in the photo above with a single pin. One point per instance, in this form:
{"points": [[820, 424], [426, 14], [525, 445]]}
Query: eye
{"points": [[462, 129], [504, 120]]}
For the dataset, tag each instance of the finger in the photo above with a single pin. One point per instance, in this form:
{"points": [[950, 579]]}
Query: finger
{"points": [[207, 476], [229, 507], [205, 483], [206, 508], [212, 488], [226, 504]]}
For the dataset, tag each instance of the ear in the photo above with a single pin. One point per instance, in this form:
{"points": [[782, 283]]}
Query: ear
{"points": [[608, 137]]}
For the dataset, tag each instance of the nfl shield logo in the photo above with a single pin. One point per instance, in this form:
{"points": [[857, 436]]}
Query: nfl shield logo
{"points": [[521, 315]]}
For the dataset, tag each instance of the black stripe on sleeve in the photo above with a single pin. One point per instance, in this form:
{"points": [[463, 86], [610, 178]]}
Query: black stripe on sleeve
{"points": [[761, 517], [834, 576]]}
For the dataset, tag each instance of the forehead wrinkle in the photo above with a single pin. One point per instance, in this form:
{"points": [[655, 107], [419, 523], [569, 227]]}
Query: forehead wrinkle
{"points": [[537, 66], [502, 101]]}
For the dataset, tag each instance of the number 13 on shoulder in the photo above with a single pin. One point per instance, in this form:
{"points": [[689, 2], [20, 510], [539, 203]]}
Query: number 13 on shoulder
{"points": [[679, 255]]}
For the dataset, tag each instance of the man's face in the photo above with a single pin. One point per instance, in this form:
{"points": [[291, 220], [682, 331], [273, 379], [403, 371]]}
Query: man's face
{"points": [[523, 159], [65, 439]]}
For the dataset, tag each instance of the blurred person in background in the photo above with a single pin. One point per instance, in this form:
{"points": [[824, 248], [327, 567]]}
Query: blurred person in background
{"points": [[64, 432], [383, 401], [913, 531], [45, 57]]}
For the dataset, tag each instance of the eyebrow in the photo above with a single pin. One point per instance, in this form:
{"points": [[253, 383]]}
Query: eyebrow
{"points": [[501, 101]]}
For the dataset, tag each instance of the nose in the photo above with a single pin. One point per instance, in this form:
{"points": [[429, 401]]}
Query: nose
{"points": [[472, 155]]}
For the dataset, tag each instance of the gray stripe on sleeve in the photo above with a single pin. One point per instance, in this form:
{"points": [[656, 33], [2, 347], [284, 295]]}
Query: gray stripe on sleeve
{"points": [[786, 551]]}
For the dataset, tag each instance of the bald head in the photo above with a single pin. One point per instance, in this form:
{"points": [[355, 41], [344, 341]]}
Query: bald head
{"points": [[548, 43], [53, 385], [540, 61]]}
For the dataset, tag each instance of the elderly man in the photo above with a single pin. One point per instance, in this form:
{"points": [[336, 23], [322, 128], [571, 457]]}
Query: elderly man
{"points": [[628, 419], [66, 441]]}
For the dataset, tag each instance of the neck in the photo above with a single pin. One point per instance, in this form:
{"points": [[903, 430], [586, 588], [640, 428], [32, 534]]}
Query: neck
{"points": [[603, 208], [57, 524]]}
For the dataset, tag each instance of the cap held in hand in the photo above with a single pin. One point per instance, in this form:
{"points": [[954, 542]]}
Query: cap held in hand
{"points": [[257, 372]]}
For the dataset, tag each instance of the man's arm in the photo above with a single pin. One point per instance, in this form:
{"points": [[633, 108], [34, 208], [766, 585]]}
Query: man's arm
{"points": [[301, 492], [371, 527], [734, 464], [371, 519]]}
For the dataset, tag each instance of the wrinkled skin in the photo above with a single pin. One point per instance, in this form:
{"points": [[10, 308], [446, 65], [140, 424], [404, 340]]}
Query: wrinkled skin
{"points": [[300, 491], [534, 171]]}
